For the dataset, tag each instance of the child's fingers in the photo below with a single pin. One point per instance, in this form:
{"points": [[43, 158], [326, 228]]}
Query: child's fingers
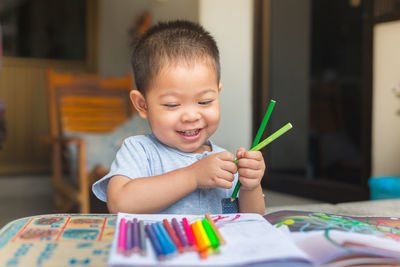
{"points": [[253, 174], [224, 183], [226, 175], [229, 166], [251, 164], [226, 155], [257, 155], [240, 152]]}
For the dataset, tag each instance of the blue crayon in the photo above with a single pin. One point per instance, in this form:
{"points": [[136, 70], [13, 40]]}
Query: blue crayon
{"points": [[161, 239], [155, 242], [171, 244]]}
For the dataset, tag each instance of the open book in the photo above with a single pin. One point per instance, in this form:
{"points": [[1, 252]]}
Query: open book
{"points": [[336, 240], [293, 237]]}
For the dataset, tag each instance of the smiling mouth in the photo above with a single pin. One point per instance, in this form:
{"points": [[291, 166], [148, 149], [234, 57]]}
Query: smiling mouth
{"points": [[190, 133]]}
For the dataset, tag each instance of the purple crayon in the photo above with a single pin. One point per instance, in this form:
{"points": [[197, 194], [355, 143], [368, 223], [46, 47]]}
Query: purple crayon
{"points": [[179, 233], [128, 248], [135, 234]]}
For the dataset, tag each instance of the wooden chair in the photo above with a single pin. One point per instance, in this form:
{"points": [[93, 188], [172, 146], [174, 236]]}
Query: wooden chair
{"points": [[82, 103]]}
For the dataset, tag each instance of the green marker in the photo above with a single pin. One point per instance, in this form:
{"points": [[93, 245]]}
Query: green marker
{"points": [[210, 233], [261, 145], [256, 140]]}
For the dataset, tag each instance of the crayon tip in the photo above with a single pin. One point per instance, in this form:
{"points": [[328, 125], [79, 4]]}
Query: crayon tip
{"points": [[203, 255], [232, 199]]}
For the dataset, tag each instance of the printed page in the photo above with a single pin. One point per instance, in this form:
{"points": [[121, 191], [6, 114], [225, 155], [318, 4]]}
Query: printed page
{"points": [[326, 246], [327, 237], [249, 239]]}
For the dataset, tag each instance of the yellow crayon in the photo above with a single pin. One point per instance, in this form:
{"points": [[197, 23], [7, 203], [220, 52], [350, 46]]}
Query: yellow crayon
{"points": [[200, 236]]}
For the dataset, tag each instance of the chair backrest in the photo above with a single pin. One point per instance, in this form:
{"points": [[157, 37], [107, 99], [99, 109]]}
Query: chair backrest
{"points": [[87, 102]]}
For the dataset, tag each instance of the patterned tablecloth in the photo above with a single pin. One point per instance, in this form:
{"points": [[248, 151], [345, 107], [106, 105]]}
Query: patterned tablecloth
{"points": [[57, 240]]}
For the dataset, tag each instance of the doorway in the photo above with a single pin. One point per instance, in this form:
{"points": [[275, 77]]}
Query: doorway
{"points": [[319, 72]]}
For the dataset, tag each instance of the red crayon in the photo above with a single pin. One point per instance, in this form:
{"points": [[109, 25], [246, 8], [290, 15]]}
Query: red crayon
{"points": [[173, 235]]}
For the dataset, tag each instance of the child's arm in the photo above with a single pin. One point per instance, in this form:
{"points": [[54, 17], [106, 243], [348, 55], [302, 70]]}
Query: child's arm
{"points": [[152, 194], [251, 170]]}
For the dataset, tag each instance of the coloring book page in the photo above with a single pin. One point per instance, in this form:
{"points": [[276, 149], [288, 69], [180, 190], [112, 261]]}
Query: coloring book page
{"points": [[326, 237], [249, 239]]}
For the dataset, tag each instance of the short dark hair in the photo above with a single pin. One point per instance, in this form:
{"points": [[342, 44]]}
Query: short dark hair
{"points": [[169, 43]]}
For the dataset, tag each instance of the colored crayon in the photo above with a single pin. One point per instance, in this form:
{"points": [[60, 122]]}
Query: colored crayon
{"points": [[129, 241], [155, 242], [161, 239], [179, 233], [142, 235], [189, 233], [122, 236], [171, 245], [200, 236], [215, 228], [135, 234], [201, 239], [210, 233], [173, 235]]}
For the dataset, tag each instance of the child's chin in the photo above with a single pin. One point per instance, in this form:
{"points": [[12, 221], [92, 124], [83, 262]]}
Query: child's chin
{"points": [[190, 149]]}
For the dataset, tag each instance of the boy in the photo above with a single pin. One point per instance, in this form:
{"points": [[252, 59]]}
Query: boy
{"points": [[177, 169]]}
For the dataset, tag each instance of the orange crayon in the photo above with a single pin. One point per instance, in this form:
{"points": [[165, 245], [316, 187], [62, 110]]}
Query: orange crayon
{"points": [[201, 238]]}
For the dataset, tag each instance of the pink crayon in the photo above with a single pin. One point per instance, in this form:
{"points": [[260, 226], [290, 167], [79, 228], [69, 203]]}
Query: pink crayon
{"points": [[122, 236], [189, 233]]}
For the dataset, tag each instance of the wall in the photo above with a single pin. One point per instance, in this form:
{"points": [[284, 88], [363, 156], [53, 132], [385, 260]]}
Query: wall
{"points": [[231, 23], [385, 122], [118, 16]]}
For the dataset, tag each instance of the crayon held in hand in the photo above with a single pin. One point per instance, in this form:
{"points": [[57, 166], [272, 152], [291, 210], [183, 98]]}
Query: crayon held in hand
{"points": [[258, 137], [261, 145]]}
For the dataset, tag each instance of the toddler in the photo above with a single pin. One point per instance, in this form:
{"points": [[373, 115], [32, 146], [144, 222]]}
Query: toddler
{"points": [[177, 169]]}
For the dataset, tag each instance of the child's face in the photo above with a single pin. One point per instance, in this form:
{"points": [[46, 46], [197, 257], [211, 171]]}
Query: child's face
{"points": [[182, 106]]}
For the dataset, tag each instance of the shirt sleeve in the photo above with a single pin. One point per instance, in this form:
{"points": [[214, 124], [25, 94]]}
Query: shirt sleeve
{"points": [[131, 161]]}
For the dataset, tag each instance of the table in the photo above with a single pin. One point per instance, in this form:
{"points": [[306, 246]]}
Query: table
{"points": [[85, 239], [57, 240]]}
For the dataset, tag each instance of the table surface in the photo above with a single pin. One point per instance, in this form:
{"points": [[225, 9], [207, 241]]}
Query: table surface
{"points": [[85, 239], [57, 240]]}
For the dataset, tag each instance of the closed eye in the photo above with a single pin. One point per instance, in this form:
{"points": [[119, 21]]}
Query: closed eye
{"points": [[205, 102], [171, 105]]}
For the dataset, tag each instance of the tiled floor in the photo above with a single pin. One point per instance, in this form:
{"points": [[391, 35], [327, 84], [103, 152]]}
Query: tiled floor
{"points": [[22, 196]]}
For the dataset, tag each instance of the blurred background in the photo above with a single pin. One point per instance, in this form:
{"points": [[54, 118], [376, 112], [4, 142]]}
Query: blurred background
{"points": [[332, 66]]}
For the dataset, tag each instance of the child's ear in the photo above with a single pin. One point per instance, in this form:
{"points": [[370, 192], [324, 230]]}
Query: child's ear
{"points": [[139, 102], [219, 87]]}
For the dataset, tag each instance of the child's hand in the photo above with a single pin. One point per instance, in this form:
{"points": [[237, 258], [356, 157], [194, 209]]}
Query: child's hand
{"points": [[251, 168], [215, 170]]}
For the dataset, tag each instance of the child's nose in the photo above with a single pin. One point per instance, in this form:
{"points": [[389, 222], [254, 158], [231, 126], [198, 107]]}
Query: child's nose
{"points": [[190, 116]]}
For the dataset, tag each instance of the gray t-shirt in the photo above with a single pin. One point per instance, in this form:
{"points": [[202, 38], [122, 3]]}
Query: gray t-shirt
{"points": [[145, 156]]}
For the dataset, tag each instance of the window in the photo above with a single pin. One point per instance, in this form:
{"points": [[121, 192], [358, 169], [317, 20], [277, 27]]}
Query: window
{"points": [[44, 29]]}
